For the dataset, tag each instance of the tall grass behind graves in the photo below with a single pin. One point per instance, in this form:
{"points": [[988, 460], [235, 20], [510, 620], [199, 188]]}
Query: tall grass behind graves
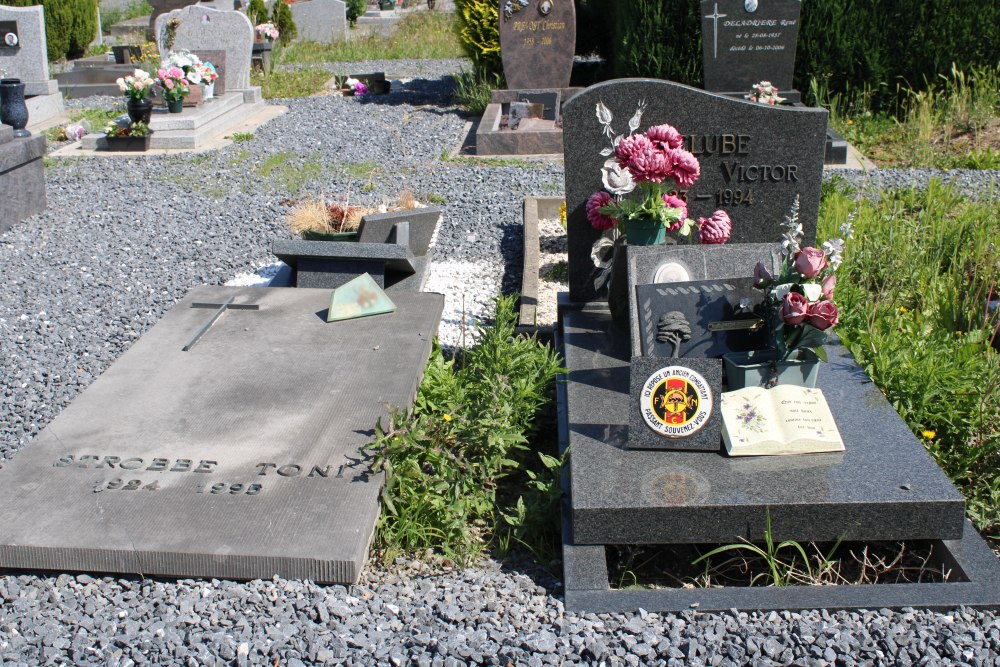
{"points": [[951, 122], [449, 461], [417, 35], [913, 294]]}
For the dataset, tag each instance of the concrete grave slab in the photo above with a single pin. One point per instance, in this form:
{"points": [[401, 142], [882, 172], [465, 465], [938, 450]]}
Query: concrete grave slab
{"points": [[323, 21], [885, 486], [755, 160], [202, 28], [235, 459], [537, 42], [745, 42]]}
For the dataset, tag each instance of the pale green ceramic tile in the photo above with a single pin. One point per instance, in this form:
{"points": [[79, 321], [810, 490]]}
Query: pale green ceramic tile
{"points": [[359, 298]]}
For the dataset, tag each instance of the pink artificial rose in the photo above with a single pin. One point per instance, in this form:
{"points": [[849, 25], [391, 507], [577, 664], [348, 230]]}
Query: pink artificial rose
{"points": [[175, 72], [161, 73], [829, 284], [810, 261], [168, 84], [684, 167], [761, 276], [360, 88], [672, 201], [794, 308], [715, 229], [665, 135], [598, 220], [823, 315]]}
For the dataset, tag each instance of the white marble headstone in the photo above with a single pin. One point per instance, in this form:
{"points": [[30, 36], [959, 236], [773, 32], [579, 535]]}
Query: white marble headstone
{"points": [[30, 62], [201, 28]]}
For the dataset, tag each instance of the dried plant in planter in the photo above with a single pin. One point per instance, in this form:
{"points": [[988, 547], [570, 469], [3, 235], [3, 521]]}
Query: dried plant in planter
{"points": [[317, 216]]}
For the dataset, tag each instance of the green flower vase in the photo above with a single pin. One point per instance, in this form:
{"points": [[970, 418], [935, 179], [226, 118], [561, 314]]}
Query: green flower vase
{"points": [[645, 232], [761, 368], [175, 106]]}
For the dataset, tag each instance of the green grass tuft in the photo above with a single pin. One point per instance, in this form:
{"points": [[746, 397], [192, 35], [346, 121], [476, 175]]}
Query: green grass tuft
{"points": [[285, 84]]}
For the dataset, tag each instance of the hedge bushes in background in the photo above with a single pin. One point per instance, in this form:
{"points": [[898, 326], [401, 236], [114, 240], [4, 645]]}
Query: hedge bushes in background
{"points": [[281, 17], [477, 24], [70, 25], [356, 8]]}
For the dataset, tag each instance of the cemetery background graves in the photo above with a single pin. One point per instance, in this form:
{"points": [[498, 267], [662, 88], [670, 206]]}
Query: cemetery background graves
{"points": [[99, 268]]}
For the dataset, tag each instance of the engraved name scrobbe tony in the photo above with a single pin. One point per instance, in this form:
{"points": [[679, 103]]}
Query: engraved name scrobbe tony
{"points": [[676, 401]]}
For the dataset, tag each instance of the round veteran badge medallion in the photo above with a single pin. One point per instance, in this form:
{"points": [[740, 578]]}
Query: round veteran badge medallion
{"points": [[676, 401]]}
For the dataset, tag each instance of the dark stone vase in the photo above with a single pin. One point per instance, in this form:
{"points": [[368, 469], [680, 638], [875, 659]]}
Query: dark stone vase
{"points": [[139, 110], [175, 106], [13, 110]]}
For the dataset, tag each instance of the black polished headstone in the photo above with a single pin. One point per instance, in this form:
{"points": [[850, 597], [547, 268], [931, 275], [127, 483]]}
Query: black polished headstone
{"points": [[756, 160], [745, 42], [700, 318]]}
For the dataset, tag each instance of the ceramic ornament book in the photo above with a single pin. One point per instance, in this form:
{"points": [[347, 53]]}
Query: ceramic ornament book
{"points": [[783, 420]]}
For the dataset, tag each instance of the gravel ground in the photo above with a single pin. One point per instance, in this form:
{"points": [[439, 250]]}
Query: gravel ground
{"points": [[124, 239]]}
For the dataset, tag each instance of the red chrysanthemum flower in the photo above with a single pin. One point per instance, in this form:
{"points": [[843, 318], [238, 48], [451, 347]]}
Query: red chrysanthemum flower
{"points": [[597, 219], [716, 229], [665, 135], [684, 167]]}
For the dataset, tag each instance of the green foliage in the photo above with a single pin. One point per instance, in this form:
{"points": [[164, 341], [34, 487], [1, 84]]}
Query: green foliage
{"points": [[297, 83], [417, 35], [468, 431], [912, 293], [281, 17], [257, 12], [356, 8], [70, 25], [473, 92], [289, 173], [477, 24], [113, 15], [655, 38], [239, 137]]}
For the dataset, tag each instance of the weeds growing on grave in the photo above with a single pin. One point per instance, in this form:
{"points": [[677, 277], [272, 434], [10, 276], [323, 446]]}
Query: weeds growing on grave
{"points": [[954, 123], [290, 172], [473, 92], [280, 83], [417, 35], [238, 137], [460, 474], [913, 291]]}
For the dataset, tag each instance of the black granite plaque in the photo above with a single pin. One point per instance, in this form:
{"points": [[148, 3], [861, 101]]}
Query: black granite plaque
{"points": [[748, 41], [537, 42], [700, 318], [756, 160], [674, 404]]}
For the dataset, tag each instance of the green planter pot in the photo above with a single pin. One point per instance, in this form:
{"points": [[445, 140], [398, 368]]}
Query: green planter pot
{"points": [[756, 368], [175, 106], [330, 236], [645, 232]]}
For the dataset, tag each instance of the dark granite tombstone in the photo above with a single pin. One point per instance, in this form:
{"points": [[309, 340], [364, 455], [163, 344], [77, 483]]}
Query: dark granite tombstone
{"points": [[756, 160], [746, 41], [238, 458], [674, 404], [701, 318], [537, 42]]}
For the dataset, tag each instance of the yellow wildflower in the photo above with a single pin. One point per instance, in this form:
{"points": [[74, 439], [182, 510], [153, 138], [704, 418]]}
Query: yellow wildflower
{"points": [[447, 417], [930, 435], [904, 309]]}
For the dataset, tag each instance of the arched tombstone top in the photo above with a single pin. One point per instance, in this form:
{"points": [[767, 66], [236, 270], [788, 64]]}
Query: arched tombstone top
{"points": [[202, 28], [756, 160], [537, 42]]}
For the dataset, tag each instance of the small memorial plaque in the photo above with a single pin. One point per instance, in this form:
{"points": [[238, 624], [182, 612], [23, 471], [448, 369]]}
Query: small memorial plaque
{"points": [[674, 404], [746, 41], [701, 318], [9, 40], [359, 298]]}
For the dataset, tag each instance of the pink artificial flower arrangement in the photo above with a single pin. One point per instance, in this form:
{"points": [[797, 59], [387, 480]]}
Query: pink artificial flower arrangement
{"points": [[764, 93], [171, 79], [136, 86], [651, 162], [353, 86], [801, 309], [267, 31]]}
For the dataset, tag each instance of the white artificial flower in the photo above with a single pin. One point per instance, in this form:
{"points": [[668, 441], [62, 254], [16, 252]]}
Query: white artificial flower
{"points": [[617, 180], [813, 291]]}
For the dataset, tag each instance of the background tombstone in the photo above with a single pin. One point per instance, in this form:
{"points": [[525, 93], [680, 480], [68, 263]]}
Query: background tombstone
{"points": [[201, 28], [756, 160], [323, 21], [537, 43], [27, 59], [746, 41], [162, 7]]}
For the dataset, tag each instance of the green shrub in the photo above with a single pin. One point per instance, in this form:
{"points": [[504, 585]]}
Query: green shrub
{"points": [[477, 24], [467, 432], [257, 12], [70, 25], [356, 8], [656, 38], [473, 92], [281, 17]]}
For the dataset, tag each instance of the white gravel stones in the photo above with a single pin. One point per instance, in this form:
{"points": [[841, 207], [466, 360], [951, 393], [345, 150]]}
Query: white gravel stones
{"points": [[124, 239]]}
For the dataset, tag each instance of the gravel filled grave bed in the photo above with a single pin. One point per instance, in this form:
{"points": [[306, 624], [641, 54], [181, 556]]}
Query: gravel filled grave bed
{"points": [[123, 240]]}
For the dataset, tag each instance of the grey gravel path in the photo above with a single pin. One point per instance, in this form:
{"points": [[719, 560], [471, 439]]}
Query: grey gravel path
{"points": [[123, 240]]}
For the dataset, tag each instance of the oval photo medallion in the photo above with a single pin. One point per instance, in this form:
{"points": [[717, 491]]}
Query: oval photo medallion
{"points": [[676, 401]]}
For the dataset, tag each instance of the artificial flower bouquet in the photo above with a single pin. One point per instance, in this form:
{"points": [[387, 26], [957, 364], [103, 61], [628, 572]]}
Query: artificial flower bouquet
{"points": [[800, 309], [136, 129], [267, 31], [764, 93], [173, 82], [136, 86], [353, 86], [195, 71], [647, 163]]}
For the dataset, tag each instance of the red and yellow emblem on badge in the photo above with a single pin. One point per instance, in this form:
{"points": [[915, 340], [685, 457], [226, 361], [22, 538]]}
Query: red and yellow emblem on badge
{"points": [[676, 401]]}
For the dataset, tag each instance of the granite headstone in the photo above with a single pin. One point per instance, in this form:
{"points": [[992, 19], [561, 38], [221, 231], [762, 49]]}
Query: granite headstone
{"points": [[537, 42], [756, 161], [323, 21], [746, 41], [201, 28], [27, 59]]}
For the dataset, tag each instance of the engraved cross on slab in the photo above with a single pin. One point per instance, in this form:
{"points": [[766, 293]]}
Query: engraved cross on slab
{"points": [[220, 309]]}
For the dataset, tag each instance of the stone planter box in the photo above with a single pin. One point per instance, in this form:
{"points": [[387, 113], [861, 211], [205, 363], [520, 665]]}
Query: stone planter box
{"points": [[128, 144]]}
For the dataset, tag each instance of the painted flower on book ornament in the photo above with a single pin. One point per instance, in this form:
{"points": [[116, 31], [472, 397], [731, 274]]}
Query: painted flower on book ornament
{"points": [[750, 418]]}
